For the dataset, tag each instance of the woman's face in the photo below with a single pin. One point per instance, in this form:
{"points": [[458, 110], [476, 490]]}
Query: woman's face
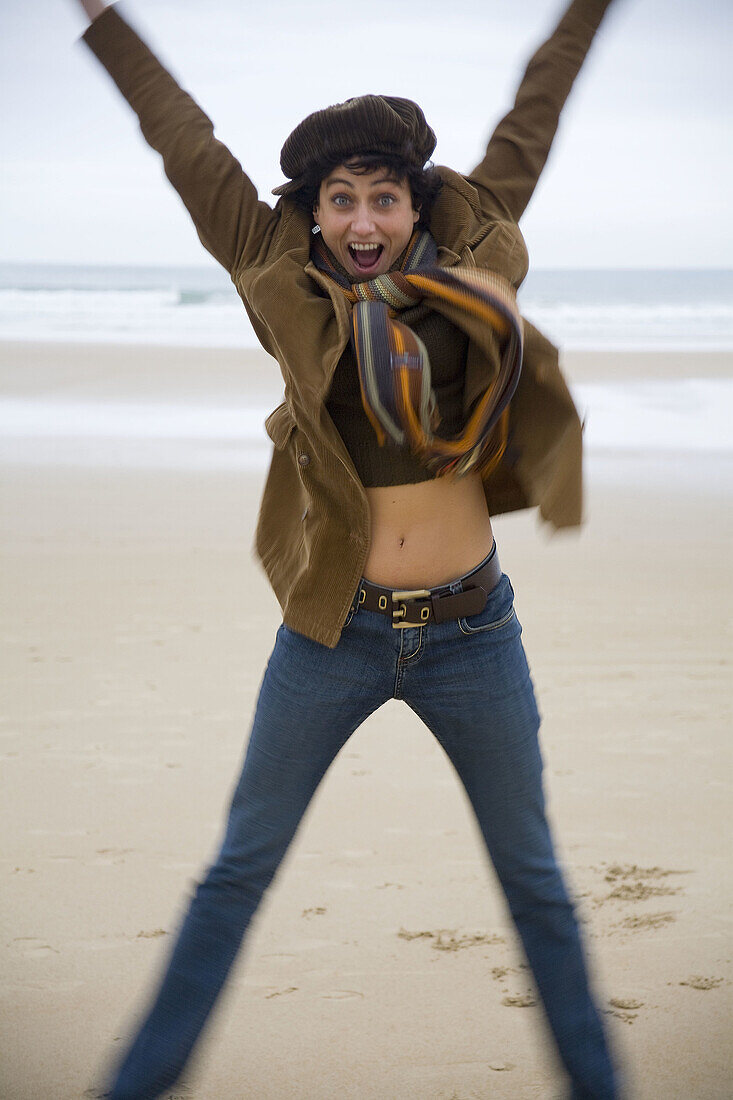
{"points": [[366, 219]]}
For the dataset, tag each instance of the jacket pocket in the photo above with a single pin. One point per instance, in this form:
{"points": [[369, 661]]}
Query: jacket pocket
{"points": [[280, 425]]}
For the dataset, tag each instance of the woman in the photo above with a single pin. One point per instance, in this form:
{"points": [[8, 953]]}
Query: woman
{"points": [[387, 294]]}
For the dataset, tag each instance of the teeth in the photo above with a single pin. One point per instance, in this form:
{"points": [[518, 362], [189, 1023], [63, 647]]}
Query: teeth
{"points": [[363, 247]]}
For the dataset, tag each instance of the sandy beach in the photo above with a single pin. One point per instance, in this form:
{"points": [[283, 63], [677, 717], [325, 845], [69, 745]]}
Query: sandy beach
{"points": [[382, 965]]}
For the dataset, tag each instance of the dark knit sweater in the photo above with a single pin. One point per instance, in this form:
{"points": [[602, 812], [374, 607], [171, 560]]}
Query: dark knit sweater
{"points": [[447, 347]]}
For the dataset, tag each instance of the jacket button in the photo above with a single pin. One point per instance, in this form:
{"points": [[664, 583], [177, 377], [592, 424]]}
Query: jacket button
{"points": [[304, 459]]}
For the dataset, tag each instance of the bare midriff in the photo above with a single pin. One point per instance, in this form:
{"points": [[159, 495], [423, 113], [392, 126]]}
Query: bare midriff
{"points": [[427, 534]]}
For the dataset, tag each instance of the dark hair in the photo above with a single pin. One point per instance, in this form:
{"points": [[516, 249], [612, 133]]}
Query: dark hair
{"points": [[424, 183]]}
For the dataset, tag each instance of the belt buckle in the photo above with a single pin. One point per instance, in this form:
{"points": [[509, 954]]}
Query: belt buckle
{"points": [[399, 611]]}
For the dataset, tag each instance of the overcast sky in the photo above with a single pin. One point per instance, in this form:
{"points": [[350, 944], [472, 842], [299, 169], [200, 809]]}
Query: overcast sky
{"points": [[641, 173]]}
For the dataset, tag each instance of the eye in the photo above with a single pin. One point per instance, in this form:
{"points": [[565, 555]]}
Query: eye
{"points": [[386, 200], [340, 200]]}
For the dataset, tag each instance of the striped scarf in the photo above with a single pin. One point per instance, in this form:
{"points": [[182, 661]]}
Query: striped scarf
{"points": [[394, 367]]}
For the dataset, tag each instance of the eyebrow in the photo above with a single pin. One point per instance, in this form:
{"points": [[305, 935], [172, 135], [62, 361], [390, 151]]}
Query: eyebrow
{"points": [[349, 183]]}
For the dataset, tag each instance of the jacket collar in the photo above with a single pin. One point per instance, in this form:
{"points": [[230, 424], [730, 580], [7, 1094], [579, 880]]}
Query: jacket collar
{"points": [[456, 220]]}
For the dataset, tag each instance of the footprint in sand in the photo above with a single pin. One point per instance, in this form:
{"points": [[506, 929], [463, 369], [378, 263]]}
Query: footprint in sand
{"points": [[647, 922], [624, 1008], [698, 982], [448, 939], [631, 883], [616, 871], [624, 1017], [640, 891], [405, 935], [32, 948], [453, 942], [519, 1000]]}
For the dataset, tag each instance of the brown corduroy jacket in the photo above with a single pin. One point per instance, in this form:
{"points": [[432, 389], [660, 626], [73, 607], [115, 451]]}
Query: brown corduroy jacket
{"points": [[313, 526]]}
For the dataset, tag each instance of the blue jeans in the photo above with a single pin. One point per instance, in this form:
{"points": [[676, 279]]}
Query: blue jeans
{"points": [[469, 682]]}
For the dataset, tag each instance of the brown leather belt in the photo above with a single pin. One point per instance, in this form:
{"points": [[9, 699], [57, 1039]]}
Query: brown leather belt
{"points": [[418, 606]]}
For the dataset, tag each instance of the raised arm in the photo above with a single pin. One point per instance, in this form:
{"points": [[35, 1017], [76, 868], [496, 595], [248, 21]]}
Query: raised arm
{"points": [[229, 219], [520, 144]]}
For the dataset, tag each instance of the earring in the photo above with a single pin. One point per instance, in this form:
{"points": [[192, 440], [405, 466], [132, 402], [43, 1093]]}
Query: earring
{"points": [[316, 229]]}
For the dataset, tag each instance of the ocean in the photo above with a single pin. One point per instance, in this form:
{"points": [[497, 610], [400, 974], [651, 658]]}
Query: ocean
{"points": [[580, 310], [198, 307]]}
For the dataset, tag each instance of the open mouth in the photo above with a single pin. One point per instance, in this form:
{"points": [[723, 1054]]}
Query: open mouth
{"points": [[365, 258]]}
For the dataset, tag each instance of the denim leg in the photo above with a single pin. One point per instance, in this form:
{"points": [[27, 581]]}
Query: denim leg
{"points": [[310, 702], [474, 691]]}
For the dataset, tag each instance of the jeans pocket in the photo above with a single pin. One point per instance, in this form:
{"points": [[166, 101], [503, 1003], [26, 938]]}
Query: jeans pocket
{"points": [[496, 615]]}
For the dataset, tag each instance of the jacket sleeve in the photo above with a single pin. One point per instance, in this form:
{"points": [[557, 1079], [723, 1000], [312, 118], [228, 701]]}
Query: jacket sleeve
{"points": [[221, 199], [519, 147]]}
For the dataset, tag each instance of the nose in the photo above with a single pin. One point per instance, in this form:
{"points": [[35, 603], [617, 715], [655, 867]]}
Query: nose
{"points": [[362, 221]]}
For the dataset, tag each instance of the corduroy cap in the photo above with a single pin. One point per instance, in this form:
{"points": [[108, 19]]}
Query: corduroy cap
{"points": [[364, 124]]}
